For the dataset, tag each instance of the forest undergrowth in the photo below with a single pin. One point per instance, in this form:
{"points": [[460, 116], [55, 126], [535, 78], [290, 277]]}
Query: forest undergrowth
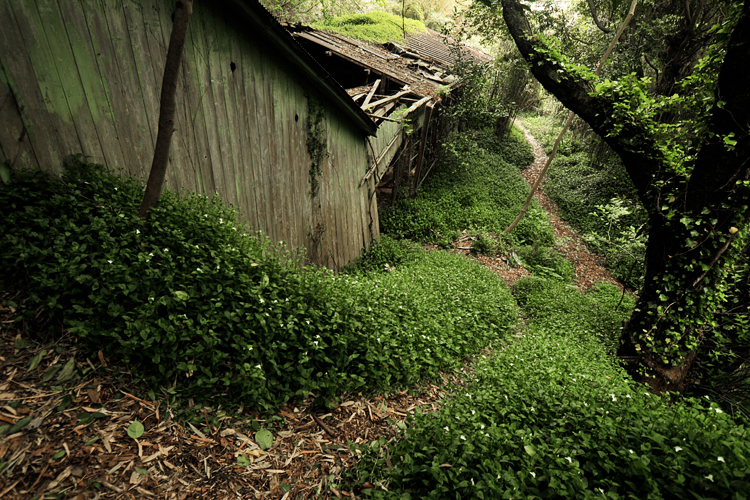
{"points": [[206, 314]]}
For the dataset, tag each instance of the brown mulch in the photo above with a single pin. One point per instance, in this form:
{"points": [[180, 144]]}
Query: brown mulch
{"points": [[67, 436], [67, 419]]}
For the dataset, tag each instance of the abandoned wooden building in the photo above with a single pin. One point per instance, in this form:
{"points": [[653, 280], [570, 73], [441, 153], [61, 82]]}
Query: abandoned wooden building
{"points": [[259, 121]]}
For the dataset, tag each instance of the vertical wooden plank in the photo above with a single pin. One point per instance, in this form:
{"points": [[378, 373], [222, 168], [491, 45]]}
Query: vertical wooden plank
{"points": [[234, 110], [120, 66], [137, 28], [33, 76], [87, 54], [268, 142], [203, 49], [56, 37], [15, 144], [243, 94], [195, 107], [219, 65], [258, 129]]}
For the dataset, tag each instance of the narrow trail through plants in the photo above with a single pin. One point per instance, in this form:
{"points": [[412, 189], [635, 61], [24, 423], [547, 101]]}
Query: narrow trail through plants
{"points": [[589, 268]]}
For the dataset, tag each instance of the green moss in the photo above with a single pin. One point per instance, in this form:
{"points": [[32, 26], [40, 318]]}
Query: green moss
{"points": [[378, 27]]}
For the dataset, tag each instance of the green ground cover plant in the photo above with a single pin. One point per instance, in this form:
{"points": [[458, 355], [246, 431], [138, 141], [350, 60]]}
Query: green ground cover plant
{"points": [[552, 415], [478, 186], [379, 27], [203, 308]]}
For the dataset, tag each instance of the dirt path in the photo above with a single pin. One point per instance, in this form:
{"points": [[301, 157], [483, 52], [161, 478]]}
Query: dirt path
{"points": [[589, 268]]}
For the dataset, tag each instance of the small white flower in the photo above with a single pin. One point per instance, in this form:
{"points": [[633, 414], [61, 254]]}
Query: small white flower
{"points": [[166, 249], [378, 339], [613, 397], [601, 490], [473, 412], [137, 231], [151, 255], [481, 426], [198, 269], [720, 459], [677, 448], [446, 428], [570, 460], [631, 451], [262, 301], [718, 410], [258, 367], [533, 474], [463, 438], [249, 348], [115, 189], [109, 261], [315, 342], [307, 321], [710, 477]]}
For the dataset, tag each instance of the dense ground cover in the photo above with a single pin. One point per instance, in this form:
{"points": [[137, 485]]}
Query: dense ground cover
{"points": [[550, 414], [196, 304], [477, 187], [380, 27]]}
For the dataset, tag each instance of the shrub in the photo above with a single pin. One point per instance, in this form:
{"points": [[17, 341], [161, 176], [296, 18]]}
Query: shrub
{"points": [[387, 252]]}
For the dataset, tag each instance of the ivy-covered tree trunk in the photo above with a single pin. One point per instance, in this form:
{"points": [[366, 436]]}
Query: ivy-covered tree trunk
{"points": [[698, 212]]}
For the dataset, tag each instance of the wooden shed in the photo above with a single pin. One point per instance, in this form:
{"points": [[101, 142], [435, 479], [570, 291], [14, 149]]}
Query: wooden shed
{"points": [[84, 76]]}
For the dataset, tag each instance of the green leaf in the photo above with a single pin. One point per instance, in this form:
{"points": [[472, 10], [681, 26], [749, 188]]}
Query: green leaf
{"points": [[530, 449], [140, 471], [67, 372], [180, 295], [243, 461], [91, 441], [264, 439], [58, 455], [67, 399], [35, 360], [20, 425], [135, 430]]}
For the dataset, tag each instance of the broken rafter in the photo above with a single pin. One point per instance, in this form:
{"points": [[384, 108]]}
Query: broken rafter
{"points": [[387, 99], [372, 93]]}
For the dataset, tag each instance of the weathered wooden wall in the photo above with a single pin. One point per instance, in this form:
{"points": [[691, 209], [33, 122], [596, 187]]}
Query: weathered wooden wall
{"points": [[85, 76]]}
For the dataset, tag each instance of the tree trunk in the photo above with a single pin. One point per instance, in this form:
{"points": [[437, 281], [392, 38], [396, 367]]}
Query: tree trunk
{"points": [[694, 218], [167, 105]]}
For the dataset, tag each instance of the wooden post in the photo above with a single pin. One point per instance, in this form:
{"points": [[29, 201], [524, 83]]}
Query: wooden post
{"points": [[167, 105], [422, 144]]}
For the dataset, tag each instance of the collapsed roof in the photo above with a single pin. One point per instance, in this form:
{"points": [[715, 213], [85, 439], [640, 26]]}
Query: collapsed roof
{"points": [[379, 77]]}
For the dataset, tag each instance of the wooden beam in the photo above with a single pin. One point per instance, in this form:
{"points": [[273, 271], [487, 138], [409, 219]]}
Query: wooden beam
{"points": [[422, 143], [372, 93], [417, 104], [387, 99]]}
